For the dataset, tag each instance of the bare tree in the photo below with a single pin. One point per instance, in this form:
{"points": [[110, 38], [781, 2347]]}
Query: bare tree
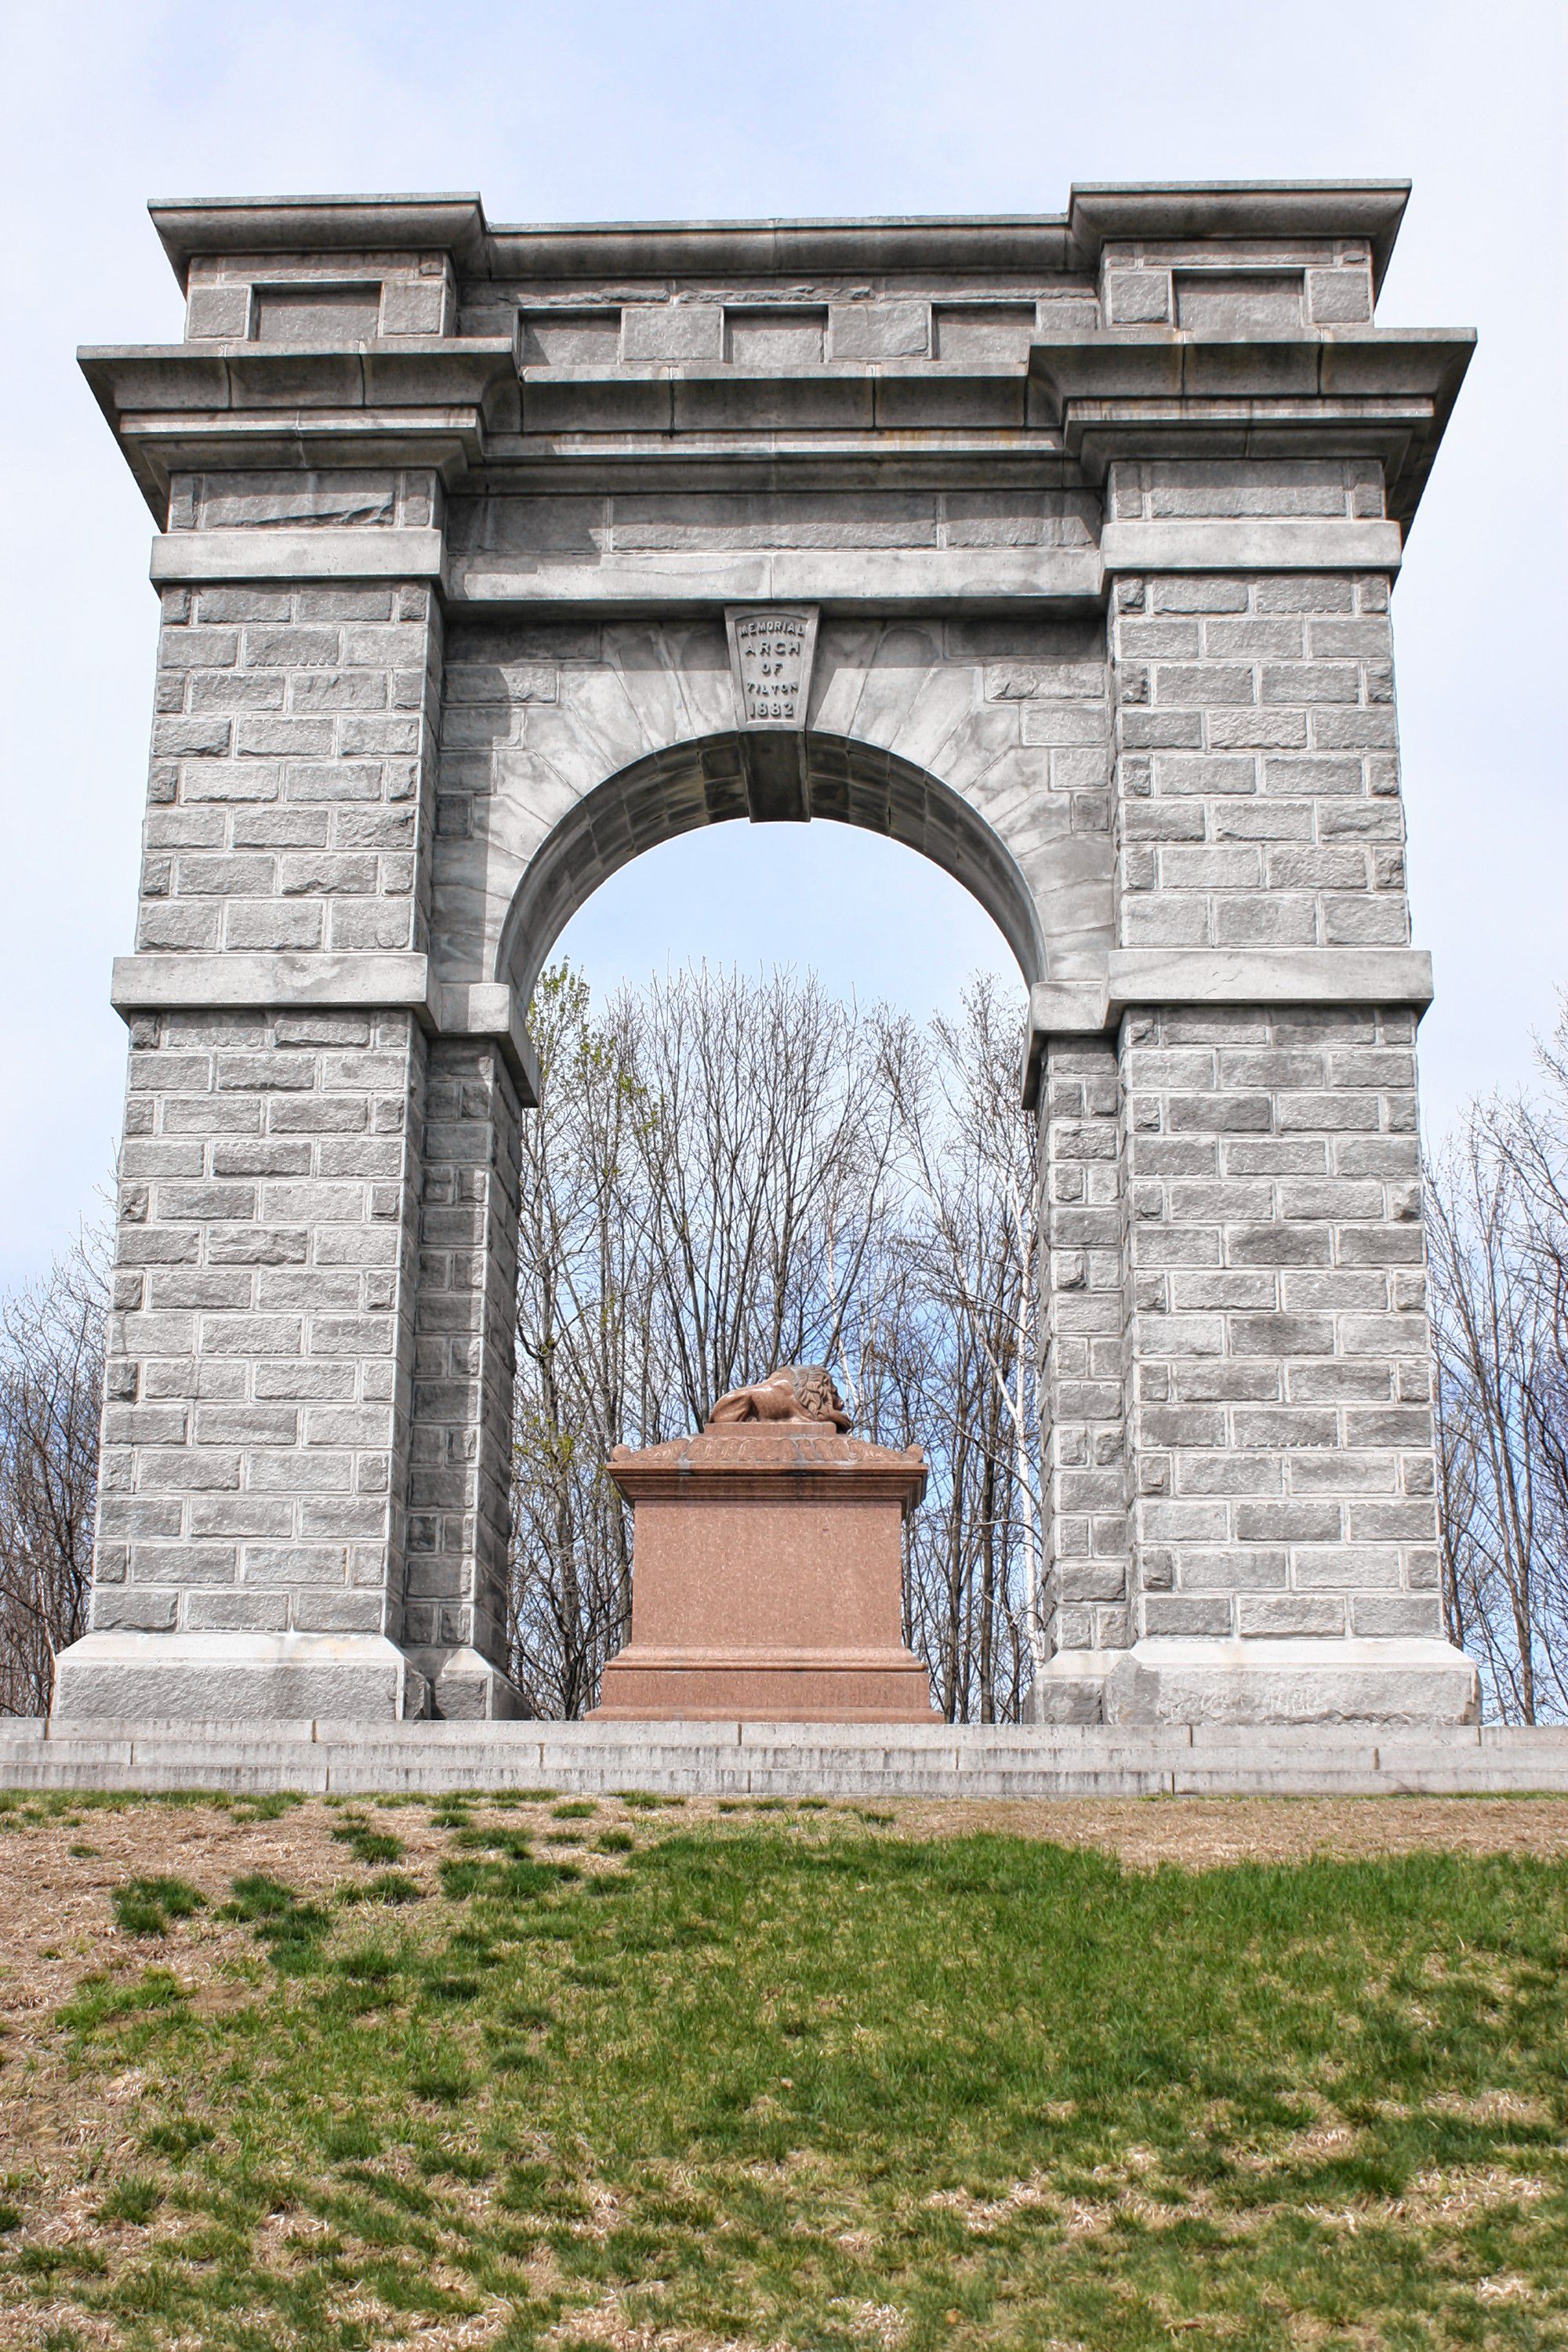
{"points": [[967, 1248], [725, 1175], [588, 1372], [51, 1382], [765, 1162], [701, 1184], [1498, 1224]]}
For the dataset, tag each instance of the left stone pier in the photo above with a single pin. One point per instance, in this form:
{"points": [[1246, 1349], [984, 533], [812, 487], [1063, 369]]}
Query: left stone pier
{"points": [[297, 1511]]}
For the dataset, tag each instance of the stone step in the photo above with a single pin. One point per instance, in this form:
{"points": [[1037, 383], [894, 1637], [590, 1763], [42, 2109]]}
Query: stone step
{"points": [[857, 1761]]}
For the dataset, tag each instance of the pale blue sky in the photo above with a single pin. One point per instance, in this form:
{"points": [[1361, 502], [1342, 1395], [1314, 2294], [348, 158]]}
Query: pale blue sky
{"points": [[695, 108]]}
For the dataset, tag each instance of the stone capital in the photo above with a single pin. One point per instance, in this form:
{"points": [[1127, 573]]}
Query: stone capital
{"points": [[1139, 977], [391, 980], [416, 400], [1159, 391]]}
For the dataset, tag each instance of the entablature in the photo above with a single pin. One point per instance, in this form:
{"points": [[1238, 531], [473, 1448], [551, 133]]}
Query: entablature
{"points": [[1167, 323]]}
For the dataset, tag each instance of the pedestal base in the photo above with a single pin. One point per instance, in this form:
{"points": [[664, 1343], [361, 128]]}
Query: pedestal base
{"points": [[1070, 1687], [239, 1678], [1406, 1682], [760, 1686]]}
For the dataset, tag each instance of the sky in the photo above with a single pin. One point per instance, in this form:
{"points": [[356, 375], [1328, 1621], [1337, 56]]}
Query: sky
{"points": [[700, 108]]}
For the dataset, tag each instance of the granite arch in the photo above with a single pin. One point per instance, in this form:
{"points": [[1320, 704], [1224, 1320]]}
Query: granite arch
{"points": [[983, 743], [702, 783], [1099, 515]]}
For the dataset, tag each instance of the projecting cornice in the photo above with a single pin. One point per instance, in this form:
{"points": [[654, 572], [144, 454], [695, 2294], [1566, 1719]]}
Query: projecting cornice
{"points": [[1145, 392], [187, 227], [1228, 211], [950, 353], [1097, 215], [417, 400]]}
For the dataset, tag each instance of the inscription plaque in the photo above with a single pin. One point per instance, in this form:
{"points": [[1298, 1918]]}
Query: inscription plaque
{"points": [[771, 652]]}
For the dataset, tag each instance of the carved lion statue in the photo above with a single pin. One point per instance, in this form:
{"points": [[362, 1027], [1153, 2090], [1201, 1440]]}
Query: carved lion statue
{"points": [[797, 1396]]}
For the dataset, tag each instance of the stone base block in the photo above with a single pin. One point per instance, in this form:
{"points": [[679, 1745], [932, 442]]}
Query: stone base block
{"points": [[860, 1762], [467, 1688], [756, 1684], [237, 1677], [1409, 1682], [1070, 1687]]}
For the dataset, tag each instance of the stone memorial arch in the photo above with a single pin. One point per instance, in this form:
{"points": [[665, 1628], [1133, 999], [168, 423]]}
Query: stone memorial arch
{"points": [[1059, 549]]}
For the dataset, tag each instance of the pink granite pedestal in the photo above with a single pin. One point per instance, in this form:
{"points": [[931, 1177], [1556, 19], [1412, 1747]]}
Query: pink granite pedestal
{"points": [[766, 1580]]}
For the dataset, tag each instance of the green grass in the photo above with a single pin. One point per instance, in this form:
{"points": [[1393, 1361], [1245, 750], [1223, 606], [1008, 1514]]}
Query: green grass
{"points": [[366, 1842], [147, 1907], [386, 1886], [828, 2087], [27, 1808]]}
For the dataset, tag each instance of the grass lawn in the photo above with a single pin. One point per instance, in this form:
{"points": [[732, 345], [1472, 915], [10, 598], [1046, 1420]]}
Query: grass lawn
{"points": [[519, 2072]]}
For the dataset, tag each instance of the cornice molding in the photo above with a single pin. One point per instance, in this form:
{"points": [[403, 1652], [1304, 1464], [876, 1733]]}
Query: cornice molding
{"points": [[1097, 213], [416, 400], [385, 979], [1141, 979], [189, 226], [1137, 392], [1100, 213]]}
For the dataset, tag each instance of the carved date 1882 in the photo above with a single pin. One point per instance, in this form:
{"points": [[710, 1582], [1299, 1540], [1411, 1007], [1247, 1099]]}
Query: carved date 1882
{"points": [[771, 654]]}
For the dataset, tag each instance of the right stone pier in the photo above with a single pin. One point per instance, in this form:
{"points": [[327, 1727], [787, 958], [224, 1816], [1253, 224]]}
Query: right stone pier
{"points": [[1241, 1450], [1244, 1332]]}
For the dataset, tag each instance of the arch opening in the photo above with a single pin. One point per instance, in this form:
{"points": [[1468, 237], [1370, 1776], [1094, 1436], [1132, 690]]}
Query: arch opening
{"points": [[703, 781]]}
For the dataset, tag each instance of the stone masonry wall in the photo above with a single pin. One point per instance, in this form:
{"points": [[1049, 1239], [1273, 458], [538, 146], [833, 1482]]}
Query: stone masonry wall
{"points": [[1279, 1359], [1085, 1598], [1257, 801], [295, 723], [282, 1236], [460, 1460], [261, 1340], [1010, 713], [1273, 285]]}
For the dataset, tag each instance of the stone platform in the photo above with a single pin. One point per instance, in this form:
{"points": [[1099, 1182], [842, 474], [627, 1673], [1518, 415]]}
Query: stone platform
{"points": [[756, 1759]]}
